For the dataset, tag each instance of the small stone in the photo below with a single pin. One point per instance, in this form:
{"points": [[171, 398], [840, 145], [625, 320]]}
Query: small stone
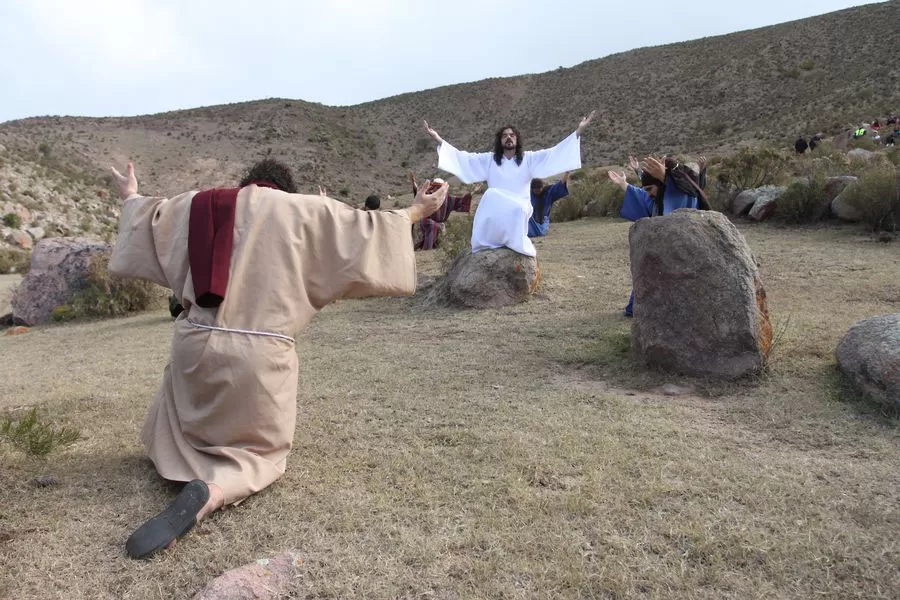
{"points": [[670, 389], [45, 481]]}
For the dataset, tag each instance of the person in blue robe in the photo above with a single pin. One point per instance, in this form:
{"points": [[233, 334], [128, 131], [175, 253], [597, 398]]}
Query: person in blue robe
{"points": [[542, 199], [665, 187]]}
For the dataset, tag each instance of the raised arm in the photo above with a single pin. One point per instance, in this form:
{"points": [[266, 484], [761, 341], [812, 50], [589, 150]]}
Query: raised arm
{"points": [[355, 254], [150, 234]]}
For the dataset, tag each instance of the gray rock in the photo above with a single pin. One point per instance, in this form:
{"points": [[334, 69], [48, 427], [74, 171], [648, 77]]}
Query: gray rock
{"points": [[843, 209], [57, 272], [860, 153], [747, 200], [742, 203], [260, 580], [20, 239], [45, 481], [37, 233], [870, 355], [487, 279], [835, 185], [700, 306]]}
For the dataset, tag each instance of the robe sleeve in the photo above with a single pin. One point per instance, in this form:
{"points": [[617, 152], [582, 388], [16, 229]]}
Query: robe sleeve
{"points": [[565, 156], [151, 229], [637, 204], [468, 166], [555, 192], [351, 253]]}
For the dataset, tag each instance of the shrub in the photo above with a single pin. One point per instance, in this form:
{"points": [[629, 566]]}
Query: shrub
{"points": [[751, 168], [803, 201], [593, 187], [14, 261], [877, 197], [457, 238], [107, 296], [808, 64], [12, 220], [35, 438]]}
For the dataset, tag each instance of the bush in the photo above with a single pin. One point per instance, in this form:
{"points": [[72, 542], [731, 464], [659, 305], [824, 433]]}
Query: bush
{"points": [[877, 197], [593, 187], [12, 220], [35, 438], [803, 201], [107, 296], [751, 168], [14, 261], [457, 238]]}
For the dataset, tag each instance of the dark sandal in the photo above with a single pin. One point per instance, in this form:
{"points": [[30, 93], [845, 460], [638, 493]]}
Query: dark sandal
{"points": [[174, 522]]}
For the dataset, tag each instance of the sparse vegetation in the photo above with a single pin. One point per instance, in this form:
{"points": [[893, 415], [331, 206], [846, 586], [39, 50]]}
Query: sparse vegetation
{"points": [[752, 168], [14, 261], [107, 296], [457, 238], [803, 201], [35, 437], [877, 197], [12, 220]]}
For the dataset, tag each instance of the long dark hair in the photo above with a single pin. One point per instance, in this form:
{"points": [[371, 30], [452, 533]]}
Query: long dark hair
{"points": [[498, 145]]}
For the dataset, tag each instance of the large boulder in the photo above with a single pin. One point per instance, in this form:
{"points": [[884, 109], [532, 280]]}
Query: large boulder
{"points": [[20, 239], [700, 306], [861, 154], [870, 355], [843, 209], [755, 201], [57, 272], [487, 279], [835, 185]]}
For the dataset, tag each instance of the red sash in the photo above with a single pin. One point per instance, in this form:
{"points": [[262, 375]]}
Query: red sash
{"points": [[210, 241]]}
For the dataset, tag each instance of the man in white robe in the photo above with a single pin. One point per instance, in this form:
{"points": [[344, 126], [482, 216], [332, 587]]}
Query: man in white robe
{"points": [[251, 266], [501, 219]]}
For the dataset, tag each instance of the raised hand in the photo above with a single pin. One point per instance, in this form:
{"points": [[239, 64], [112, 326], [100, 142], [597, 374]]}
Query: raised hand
{"points": [[434, 134], [424, 204], [633, 163], [585, 122], [618, 178], [702, 162], [322, 191], [126, 184], [654, 167]]}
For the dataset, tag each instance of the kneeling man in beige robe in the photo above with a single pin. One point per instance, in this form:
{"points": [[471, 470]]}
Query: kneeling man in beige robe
{"points": [[251, 266]]}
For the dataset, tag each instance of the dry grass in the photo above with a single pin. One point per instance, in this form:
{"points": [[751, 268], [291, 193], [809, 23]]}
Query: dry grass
{"points": [[7, 284], [509, 453]]}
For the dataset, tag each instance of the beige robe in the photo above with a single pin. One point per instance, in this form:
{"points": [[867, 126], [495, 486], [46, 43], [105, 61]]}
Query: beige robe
{"points": [[226, 410]]}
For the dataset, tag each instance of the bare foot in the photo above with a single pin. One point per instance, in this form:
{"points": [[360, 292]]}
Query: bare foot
{"points": [[215, 502]]}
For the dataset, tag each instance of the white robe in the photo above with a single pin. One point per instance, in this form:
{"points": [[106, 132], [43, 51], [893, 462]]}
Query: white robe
{"points": [[501, 218]]}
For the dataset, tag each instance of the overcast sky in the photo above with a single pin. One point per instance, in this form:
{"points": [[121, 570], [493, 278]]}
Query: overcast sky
{"points": [[130, 57]]}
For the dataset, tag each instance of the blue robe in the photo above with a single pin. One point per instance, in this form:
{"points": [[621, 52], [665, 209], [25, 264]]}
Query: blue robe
{"points": [[638, 204], [539, 225]]}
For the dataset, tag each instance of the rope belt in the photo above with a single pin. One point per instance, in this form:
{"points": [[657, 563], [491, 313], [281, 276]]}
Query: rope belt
{"points": [[247, 331]]}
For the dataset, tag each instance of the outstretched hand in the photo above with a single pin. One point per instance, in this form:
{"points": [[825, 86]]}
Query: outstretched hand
{"points": [[654, 167], [633, 163], [322, 191], [434, 134], [618, 178], [585, 122], [425, 204], [702, 162], [126, 184]]}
